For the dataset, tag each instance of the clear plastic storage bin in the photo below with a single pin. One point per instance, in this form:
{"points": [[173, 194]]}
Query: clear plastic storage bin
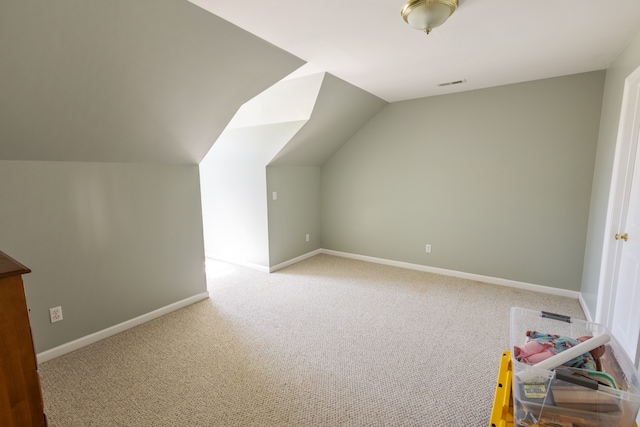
{"points": [[572, 397]]}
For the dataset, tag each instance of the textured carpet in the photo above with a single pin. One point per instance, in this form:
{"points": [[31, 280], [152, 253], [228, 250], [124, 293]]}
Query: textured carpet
{"points": [[326, 342]]}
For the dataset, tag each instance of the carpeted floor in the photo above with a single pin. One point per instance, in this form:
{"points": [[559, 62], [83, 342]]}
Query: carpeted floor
{"points": [[329, 341]]}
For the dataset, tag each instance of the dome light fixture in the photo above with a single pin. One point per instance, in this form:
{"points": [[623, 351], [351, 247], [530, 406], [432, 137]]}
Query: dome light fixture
{"points": [[425, 15]]}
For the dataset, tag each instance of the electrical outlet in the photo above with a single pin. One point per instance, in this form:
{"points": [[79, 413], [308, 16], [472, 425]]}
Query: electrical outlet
{"points": [[307, 237], [55, 314], [428, 249]]}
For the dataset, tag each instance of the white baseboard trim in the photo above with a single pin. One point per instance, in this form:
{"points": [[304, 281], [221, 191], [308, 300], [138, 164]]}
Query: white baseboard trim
{"points": [[295, 260], [252, 266], [267, 269], [470, 276], [453, 273], [585, 308], [116, 329]]}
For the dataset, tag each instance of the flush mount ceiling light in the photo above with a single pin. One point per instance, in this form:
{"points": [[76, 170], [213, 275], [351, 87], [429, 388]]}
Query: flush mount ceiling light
{"points": [[425, 15]]}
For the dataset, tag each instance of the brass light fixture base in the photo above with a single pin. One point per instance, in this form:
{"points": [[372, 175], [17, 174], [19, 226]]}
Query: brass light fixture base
{"points": [[425, 15]]}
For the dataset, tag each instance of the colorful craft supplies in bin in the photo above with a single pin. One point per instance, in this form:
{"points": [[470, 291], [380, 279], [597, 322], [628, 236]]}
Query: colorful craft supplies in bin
{"points": [[569, 393]]}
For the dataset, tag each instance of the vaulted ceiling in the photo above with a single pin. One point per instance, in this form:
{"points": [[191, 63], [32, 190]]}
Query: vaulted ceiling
{"points": [[124, 81], [158, 80], [485, 42], [339, 111]]}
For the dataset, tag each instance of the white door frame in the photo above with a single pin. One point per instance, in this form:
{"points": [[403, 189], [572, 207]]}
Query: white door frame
{"points": [[622, 175]]}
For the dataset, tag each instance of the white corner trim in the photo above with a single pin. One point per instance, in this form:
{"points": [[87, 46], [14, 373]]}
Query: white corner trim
{"points": [[295, 260], [116, 329], [585, 308], [264, 269], [453, 273]]}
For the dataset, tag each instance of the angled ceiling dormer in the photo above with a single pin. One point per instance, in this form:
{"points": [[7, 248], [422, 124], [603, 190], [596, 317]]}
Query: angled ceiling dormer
{"points": [[315, 113], [300, 121], [121, 81], [340, 110]]}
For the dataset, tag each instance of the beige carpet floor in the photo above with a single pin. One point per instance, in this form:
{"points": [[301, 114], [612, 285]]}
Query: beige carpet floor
{"points": [[326, 342]]}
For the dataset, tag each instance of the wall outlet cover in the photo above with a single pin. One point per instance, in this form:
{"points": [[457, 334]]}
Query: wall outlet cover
{"points": [[55, 314]]}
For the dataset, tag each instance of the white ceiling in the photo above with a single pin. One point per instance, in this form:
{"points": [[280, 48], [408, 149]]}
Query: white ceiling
{"points": [[486, 42]]}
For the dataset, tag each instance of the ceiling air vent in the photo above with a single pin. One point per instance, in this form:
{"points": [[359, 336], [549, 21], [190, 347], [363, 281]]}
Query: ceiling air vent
{"points": [[457, 82]]}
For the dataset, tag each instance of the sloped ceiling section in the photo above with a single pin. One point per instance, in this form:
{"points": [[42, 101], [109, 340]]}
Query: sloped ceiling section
{"points": [[290, 100], [124, 81], [340, 111]]}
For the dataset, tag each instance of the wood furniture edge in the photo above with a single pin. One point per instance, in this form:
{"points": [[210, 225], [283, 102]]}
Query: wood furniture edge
{"points": [[10, 267]]}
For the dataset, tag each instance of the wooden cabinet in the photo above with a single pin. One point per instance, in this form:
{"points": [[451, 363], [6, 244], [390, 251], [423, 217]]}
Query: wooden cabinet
{"points": [[20, 393]]}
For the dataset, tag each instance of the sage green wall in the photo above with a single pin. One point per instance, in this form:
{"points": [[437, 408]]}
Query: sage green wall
{"points": [[295, 213], [106, 241], [124, 81], [497, 180], [339, 110], [624, 65], [233, 174]]}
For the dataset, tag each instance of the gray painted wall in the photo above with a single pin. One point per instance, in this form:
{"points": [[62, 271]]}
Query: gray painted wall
{"points": [[624, 65], [339, 111], [151, 83], [498, 181], [124, 81], [295, 213], [277, 142], [106, 241], [233, 173]]}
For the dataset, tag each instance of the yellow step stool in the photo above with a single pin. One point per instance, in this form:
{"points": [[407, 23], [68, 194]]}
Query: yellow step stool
{"points": [[502, 412]]}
